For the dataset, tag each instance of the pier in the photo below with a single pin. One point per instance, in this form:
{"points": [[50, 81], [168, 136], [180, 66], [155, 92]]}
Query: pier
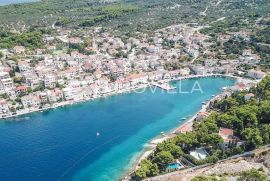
{"points": [[164, 86]]}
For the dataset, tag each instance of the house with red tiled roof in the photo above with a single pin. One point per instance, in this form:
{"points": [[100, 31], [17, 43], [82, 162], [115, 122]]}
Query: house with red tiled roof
{"points": [[88, 67], [54, 95], [21, 89], [137, 78], [227, 136], [201, 115], [238, 87], [249, 96], [229, 140]]}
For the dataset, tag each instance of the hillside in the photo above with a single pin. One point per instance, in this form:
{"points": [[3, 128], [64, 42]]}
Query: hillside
{"points": [[231, 169], [127, 16]]}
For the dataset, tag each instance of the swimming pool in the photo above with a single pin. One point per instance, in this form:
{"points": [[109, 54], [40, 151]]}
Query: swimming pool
{"points": [[174, 166]]}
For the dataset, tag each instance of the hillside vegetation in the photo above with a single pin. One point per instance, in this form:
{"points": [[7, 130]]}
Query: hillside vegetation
{"points": [[128, 16], [249, 120]]}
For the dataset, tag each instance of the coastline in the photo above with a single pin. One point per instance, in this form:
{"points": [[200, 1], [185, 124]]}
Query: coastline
{"points": [[187, 124], [146, 85], [6, 3], [105, 95], [68, 103], [160, 138]]}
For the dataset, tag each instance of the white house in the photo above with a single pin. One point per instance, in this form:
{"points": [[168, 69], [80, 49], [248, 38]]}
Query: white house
{"points": [[4, 109], [50, 81], [256, 74], [184, 72], [6, 81], [210, 62], [199, 153], [43, 97], [198, 70], [24, 66], [31, 100], [68, 93], [32, 80], [78, 94]]}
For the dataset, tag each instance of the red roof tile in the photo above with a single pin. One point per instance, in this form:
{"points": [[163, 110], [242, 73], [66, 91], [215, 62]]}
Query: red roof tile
{"points": [[225, 131]]}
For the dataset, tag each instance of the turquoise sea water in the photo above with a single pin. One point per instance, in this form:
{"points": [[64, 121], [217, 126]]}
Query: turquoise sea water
{"points": [[6, 2], [62, 144]]}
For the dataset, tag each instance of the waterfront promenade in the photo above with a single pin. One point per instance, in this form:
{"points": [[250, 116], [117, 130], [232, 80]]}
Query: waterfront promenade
{"points": [[140, 86]]}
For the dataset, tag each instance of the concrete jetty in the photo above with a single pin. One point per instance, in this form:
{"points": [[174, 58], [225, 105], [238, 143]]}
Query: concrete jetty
{"points": [[164, 86]]}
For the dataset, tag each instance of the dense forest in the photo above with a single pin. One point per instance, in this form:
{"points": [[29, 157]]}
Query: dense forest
{"points": [[29, 39], [249, 120]]}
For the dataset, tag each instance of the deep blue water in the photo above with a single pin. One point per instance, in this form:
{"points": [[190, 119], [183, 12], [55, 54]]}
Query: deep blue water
{"points": [[62, 144], [6, 2]]}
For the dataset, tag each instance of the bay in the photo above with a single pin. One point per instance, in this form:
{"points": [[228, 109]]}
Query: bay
{"points": [[62, 144], [7, 2]]}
